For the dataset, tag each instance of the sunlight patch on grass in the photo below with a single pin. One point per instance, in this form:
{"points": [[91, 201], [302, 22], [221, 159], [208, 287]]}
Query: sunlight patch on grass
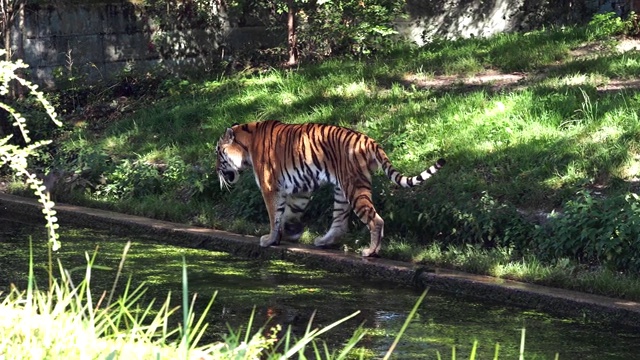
{"points": [[264, 80], [115, 143], [527, 269], [576, 79], [350, 90], [287, 98], [465, 65], [626, 66], [605, 133], [631, 169], [573, 172]]}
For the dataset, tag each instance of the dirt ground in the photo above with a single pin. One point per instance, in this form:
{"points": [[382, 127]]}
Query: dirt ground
{"points": [[497, 81]]}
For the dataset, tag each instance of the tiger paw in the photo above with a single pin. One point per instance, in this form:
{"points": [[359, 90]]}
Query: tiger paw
{"points": [[370, 253], [322, 242], [266, 241]]}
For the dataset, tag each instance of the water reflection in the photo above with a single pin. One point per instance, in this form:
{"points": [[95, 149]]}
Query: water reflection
{"points": [[288, 294]]}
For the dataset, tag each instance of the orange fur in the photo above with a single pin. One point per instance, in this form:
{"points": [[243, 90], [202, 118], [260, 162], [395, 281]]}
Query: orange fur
{"points": [[291, 161]]}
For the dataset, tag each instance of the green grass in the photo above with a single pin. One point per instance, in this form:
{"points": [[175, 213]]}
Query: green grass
{"points": [[513, 151]]}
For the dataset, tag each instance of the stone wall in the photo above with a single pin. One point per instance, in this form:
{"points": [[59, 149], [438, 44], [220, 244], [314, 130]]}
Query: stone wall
{"points": [[94, 40]]}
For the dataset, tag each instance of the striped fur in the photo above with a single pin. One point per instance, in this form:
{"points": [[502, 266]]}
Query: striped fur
{"points": [[291, 161]]}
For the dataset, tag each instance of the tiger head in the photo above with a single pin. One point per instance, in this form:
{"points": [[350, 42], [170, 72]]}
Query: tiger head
{"points": [[231, 158]]}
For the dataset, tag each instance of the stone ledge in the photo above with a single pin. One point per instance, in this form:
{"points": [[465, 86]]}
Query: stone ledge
{"points": [[552, 300]]}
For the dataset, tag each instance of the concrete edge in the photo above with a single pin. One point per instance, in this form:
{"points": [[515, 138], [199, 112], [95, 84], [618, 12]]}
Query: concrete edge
{"points": [[585, 307]]}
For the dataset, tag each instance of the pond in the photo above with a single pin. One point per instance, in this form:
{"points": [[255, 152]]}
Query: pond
{"points": [[290, 293]]}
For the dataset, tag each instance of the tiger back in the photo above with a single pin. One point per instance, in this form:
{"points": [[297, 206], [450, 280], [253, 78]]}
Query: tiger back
{"points": [[290, 161]]}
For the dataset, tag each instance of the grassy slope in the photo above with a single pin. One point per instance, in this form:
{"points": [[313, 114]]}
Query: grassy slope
{"points": [[529, 146]]}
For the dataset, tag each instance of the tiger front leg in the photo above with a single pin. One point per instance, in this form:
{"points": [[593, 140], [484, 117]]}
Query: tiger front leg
{"points": [[294, 209], [275, 204], [340, 223]]}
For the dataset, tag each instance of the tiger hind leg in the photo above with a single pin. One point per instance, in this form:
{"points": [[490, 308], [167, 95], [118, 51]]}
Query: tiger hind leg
{"points": [[294, 209], [340, 224], [366, 212], [376, 228]]}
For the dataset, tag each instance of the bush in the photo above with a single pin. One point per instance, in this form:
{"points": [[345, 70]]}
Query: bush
{"points": [[484, 221], [246, 199], [348, 27], [609, 24], [600, 231]]}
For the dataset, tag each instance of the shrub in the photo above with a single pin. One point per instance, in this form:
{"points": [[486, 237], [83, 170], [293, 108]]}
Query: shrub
{"points": [[346, 27], [609, 24], [599, 231], [485, 221], [131, 179]]}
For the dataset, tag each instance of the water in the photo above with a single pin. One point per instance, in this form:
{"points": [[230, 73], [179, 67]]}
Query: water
{"points": [[289, 294]]}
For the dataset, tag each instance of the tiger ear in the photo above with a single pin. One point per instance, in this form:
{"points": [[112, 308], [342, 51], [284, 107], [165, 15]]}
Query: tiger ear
{"points": [[228, 136]]}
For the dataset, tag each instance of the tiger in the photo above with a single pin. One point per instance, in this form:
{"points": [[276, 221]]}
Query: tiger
{"points": [[290, 161]]}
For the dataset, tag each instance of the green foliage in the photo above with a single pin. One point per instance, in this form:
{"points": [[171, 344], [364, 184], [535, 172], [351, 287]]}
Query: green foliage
{"points": [[182, 14], [246, 200], [609, 24], [486, 221], [327, 27], [596, 230], [347, 27], [16, 156], [131, 178]]}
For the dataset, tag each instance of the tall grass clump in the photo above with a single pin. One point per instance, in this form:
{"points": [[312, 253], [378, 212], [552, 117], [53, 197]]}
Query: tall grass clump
{"points": [[68, 321]]}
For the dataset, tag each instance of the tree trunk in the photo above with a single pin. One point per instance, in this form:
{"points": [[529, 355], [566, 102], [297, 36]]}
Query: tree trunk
{"points": [[6, 120], [19, 90], [291, 35], [6, 29]]}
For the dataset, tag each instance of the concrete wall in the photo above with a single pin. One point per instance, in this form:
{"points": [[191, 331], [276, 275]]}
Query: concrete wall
{"points": [[482, 18], [98, 40], [87, 41]]}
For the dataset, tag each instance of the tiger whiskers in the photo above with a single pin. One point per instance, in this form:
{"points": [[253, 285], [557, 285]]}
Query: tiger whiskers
{"points": [[223, 181]]}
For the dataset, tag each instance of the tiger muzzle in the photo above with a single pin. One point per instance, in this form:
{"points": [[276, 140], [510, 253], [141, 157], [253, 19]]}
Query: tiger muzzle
{"points": [[228, 176]]}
